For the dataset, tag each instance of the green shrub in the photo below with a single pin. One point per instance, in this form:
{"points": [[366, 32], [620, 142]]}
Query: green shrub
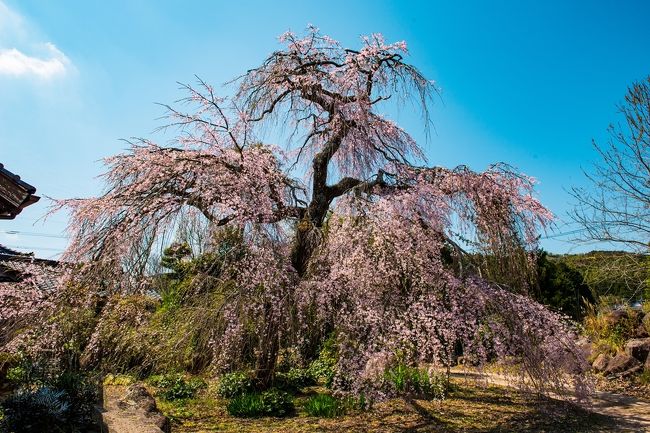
{"points": [[82, 392], [294, 379], [119, 379], [272, 402], [64, 404], [413, 381], [325, 406], [324, 368], [43, 391], [18, 374], [610, 329], [234, 384], [176, 386], [28, 373], [37, 410]]}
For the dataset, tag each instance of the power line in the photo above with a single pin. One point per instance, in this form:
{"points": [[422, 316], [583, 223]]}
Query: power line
{"points": [[43, 235], [558, 235], [23, 247]]}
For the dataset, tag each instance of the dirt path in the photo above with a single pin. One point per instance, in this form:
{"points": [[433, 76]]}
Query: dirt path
{"points": [[632, 414]]}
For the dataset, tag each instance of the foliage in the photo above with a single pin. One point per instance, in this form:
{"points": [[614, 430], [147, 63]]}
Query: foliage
{"points": [[562, 287], [644, 377], [414, 381], [324, 367], [620, 275], [118, 343], [60, 403], [176, 386], [27, 300], [271, 402], [119, 379], [325, 406], [610, 329], [234, 384], [43, 409], [294, 379]]}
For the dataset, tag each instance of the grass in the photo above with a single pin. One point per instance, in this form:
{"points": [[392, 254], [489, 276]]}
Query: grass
{"points": [[644, 378], [324, 406], [271, 402], [610, 335], [467, 408]]}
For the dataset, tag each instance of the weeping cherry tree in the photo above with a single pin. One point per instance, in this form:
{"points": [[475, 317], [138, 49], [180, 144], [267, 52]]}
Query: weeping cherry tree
{"points": [[344, 229]]}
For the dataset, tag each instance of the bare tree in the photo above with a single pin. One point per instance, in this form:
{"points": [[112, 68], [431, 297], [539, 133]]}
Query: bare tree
{"points": [[617, 206]]}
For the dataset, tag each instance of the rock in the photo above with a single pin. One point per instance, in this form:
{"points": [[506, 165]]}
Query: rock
{"points": [[130, 410], [641, 332], [620, 363], [638, 348], [627, 373], [138, 395], [616, 316], [600, 363], [162, 422], [585, 346]]}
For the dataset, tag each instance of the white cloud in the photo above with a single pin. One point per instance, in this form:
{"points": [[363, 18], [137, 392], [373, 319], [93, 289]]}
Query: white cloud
{"points": [[16, 63], [22, 54]]}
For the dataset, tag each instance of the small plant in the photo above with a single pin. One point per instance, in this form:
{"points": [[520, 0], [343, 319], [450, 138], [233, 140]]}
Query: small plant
{"points": [[413, 381], [324, 368], [176, 386], [39, 410], [119, 379], [644, 377], [271, 402], [61, 400], [234, 384], [610, 329], [26, 373], [295, 379], [17, 374], [325, 406]]}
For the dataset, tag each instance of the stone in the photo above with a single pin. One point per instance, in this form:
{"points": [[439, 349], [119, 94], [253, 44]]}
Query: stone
{"points": [[638, 348], [627, 373], [620, 363], [600, 363], [641, 332], [616, 316], [138, 395], [130, 410], [585, 346]]}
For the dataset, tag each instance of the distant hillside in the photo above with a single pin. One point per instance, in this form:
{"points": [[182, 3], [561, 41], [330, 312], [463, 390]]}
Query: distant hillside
{"points": [[616, 274]]}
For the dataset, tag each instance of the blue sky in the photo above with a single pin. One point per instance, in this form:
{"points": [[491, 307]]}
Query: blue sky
{"points": [[527, 83]]}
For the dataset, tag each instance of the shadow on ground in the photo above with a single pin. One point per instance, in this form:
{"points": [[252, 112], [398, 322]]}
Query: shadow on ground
{"points": [[468, 409]]}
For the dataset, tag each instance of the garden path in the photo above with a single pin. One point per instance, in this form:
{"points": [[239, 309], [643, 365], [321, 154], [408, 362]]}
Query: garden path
{"points": [[632, 414]]}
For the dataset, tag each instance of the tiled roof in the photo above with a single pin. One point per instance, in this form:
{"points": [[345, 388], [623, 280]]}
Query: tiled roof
{"points": [[13, 265], [15, 194]]}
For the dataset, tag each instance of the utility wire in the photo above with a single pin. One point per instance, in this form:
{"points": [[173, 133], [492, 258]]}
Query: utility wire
{"points": [[23, 247], [558, 235], [43, 235]]}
